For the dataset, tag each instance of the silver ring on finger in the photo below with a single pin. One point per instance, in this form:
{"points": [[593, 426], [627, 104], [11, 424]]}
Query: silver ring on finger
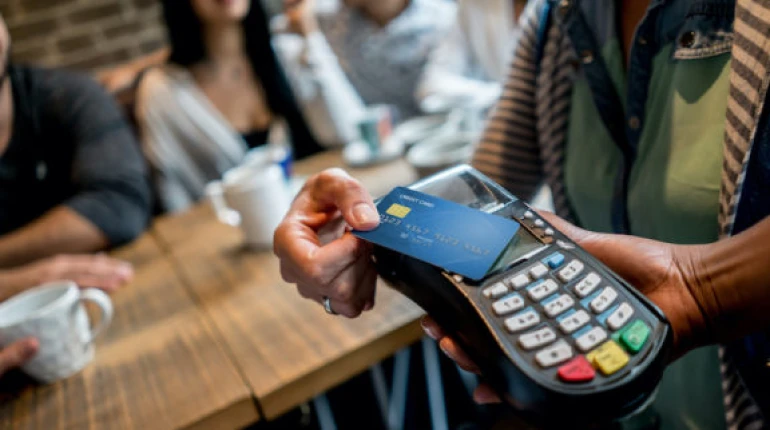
{"points": [[328, 306]]}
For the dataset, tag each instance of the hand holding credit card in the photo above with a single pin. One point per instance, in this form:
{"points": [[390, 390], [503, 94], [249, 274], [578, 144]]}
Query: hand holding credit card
{"points": [[449, 235]]}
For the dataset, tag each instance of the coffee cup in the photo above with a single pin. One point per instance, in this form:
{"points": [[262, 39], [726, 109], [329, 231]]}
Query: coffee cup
{"points": [[54, 314], [254, 197]]}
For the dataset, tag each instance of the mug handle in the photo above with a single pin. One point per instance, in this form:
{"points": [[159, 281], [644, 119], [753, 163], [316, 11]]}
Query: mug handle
{"points": [[104, 303], [215, 191]]}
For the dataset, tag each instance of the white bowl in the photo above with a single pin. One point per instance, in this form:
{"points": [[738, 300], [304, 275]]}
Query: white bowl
{"points": [[440, 152]]}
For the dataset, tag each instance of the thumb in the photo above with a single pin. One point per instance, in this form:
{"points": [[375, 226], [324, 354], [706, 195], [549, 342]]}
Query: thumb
{"points": [[361, 215], [335, 189], [17, 354], [611, 249], [582, 237], [621, 253]]}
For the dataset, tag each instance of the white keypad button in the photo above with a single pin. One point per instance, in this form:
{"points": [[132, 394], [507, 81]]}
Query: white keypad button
{"points": [[539, 223], [519, 281], [522, 321], [549, 231], [604, 300], [508, 304], [575, 321], [559, 305], [587, 285], [528, 215], [554, 354], [538, 271], [571, 271], [495, 291], [542, 290], [620, 317], [537, 338], [591, 338]]}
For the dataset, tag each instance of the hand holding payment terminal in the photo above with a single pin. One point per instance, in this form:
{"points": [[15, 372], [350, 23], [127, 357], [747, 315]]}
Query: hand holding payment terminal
{"points": [[562, 339]]}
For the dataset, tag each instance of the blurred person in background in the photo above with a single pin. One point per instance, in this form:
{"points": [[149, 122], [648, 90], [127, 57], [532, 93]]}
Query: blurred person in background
{"points": [[216, 99], [341, 57], [72, 178], [127, 75], [471, 63]]}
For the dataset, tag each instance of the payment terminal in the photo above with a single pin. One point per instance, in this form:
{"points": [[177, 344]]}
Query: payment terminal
{"points": [[564, 341]]}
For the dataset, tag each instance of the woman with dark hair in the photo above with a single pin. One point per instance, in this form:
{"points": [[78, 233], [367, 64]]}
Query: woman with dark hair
{"points": [[216, 99]]}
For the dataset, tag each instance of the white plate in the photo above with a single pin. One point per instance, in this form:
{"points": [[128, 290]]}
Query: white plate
{"points": [[420, 128], [440, 152]]}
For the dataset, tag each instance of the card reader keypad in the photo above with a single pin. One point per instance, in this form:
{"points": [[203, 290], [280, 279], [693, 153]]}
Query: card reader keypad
{"points": [[566, 318], [543, 289], [495, 291], [537, 338], [523, 320], [557, 353], [508, 304]]}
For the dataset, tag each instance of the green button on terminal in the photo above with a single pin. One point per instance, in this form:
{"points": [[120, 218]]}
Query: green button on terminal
{"points": [[634, 336]]}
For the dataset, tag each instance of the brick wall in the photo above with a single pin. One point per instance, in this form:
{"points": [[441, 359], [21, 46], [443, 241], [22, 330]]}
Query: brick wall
{"points": [[82, 34]]}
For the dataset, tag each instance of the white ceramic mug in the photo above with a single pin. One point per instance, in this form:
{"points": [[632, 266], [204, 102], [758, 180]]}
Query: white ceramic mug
{"points": [[254, 196], [55, 316]]}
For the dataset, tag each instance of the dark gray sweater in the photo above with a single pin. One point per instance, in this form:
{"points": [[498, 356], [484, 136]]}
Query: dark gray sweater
{"points": [[71, 145]]}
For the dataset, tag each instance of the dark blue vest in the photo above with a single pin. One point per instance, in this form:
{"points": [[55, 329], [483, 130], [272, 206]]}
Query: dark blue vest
{"points": [[751, 355]]}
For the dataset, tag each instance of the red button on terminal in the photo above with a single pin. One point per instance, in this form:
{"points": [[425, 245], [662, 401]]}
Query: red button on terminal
{"points": [[577, 370]]}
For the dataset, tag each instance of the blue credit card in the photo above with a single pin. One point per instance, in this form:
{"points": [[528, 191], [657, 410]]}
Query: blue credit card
{"points": [[443, 233]]}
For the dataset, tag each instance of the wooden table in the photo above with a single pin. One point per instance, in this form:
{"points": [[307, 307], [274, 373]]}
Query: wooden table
{"points": [[288, 348], [160, 365], [208, 327]]}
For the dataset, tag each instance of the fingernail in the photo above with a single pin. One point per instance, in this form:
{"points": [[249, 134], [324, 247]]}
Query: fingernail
{"points": [[428, 330], [365, 214], [445, 350], [483, 399]]}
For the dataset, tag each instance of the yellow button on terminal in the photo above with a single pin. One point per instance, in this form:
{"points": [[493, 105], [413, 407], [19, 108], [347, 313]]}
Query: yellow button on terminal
{"points": [[608, 358]]}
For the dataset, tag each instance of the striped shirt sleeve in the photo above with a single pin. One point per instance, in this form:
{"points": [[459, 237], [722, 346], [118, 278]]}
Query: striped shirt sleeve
{"points": [[508, 151]]}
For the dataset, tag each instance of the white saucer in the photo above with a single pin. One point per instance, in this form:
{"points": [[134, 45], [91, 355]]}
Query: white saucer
{"points": [[358, 154], [441, 152], [420, 128]]}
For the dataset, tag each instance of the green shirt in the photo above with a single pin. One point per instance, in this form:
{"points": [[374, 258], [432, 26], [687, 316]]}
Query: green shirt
{"points": [[673, 194], [675, 180]]}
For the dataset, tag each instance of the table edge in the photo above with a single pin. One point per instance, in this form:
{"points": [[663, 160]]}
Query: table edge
{"points": [[276, 403]]}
